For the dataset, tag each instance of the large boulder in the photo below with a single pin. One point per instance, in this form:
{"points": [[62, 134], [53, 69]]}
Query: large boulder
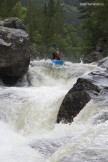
{"points": [[76, 99], [14, 55]]}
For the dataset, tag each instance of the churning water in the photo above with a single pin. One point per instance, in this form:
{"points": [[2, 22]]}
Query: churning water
{"points": [[28, 112]]}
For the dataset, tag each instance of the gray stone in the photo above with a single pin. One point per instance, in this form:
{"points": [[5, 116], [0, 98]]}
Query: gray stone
{"points": [[76, 99], [14, 55], [12, 22]]}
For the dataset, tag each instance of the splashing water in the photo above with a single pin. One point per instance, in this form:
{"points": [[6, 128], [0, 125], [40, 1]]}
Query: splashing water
{"points": [[28, 112]]}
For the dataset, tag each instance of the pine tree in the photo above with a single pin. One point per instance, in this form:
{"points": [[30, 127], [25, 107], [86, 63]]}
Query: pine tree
{"points": [[45, 24], [59, 17], [30, 19], [95, 21], [6, 6], [19, 11], [53, 21]]}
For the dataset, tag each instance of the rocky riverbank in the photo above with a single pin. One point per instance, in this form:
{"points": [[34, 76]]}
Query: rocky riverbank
{"points": [[100, 51]]}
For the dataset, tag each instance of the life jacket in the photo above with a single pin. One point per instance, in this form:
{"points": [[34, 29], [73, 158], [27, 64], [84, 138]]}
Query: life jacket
{"points": [[56, 57]]}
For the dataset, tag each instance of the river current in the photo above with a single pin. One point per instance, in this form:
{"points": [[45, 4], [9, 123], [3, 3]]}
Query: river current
{"points": [[28, 113]]}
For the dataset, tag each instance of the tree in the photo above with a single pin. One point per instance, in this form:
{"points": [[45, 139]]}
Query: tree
{"points": [[19, 11], [6, 6], [95, 22], [52, 21], [33, 20]]}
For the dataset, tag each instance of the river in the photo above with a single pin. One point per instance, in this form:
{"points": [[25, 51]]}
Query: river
{"points": [[28, 113]]}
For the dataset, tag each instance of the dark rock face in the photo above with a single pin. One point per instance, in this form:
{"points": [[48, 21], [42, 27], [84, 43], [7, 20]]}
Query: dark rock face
{"points": [[85, 84], [14, 56], [76, 99], [98, 53], [92, 57], [102, 45]]}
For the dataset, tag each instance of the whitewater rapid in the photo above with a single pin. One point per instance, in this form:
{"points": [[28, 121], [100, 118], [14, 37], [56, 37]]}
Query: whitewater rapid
{"points": [[28, 112]]}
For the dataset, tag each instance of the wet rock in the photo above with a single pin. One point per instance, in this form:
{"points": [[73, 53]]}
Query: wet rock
{"points": [[103, 63], [76, 99], [14, 55], [85, 84], [98, 75], [92, 57], [99, 78]]}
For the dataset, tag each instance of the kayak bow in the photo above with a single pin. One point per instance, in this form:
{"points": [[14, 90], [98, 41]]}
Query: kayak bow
{"points": [[58, 62]]}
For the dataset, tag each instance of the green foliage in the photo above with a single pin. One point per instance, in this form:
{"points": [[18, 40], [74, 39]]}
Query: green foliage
{"points": [[19, 11], [95, 22], [6, 6], [47, 24], [52, 21], [33, 21]]}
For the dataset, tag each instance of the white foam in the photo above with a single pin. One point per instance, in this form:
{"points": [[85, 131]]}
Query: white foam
{"points": [[29, 114]]}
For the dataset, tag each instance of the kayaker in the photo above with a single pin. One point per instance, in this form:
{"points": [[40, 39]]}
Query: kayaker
{"points": [[56, 56]]}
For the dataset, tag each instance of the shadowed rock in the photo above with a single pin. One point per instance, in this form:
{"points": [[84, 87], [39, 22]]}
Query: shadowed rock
{"points": [[102, 45], [76, 99], [92, 57], [98, 53]]}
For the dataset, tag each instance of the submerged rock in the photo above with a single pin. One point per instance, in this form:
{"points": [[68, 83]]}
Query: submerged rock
{"points": [[48, 147], [14, 56], [76, 99]]}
